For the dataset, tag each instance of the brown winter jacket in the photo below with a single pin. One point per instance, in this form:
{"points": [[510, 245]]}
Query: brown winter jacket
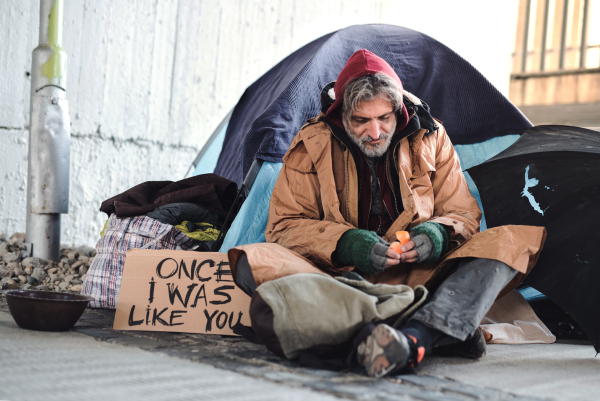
{"points": [[315, 200]]}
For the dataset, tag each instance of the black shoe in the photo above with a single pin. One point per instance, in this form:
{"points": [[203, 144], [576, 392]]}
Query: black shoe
{"points": [[473, 347], [387, 350]]}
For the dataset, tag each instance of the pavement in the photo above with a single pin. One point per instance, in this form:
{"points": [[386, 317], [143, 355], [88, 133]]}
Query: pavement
{"points": [[94, 362]]}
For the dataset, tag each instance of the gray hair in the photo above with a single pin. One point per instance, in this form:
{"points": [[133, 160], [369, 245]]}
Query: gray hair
{"points": [[367, 88]]}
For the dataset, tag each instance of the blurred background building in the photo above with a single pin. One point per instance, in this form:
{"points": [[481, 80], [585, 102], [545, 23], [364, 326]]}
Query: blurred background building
{"points": [[148, 82], [556, 62]]}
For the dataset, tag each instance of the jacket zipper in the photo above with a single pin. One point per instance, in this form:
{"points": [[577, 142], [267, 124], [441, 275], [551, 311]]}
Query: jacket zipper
{"points": [[391, 183]]}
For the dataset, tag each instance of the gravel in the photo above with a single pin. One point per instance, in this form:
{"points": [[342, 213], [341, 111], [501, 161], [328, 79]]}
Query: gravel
{"points": [[67, 275]]}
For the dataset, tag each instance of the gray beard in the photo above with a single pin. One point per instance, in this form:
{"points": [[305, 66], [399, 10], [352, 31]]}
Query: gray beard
{"points": [[377, 150]]}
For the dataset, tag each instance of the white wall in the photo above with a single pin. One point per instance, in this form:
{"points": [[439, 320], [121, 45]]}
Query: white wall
{"points": [[149, 81]]}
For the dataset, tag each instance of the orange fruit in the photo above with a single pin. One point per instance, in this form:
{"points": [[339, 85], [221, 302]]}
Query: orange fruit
{"points": [[396, 246], [403, 237]]}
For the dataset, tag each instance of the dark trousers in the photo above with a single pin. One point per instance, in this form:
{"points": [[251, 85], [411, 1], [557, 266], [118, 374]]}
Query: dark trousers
{"points": [[463, 298]]}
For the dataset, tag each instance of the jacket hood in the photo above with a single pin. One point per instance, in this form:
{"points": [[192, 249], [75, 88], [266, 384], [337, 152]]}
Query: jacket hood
{"points": [[362, 63]]}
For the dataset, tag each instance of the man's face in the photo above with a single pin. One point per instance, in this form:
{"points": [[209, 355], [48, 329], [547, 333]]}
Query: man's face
{"points": [[372, 125]]}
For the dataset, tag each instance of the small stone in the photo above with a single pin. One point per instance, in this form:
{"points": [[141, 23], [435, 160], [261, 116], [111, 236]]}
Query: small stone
{"points": [[32, 280], [39, 274], [33, 262], [52, 270], [17, 237], [28, 270], [76, 288], [27, 286], [19, 272], [22, 279], [5, 272], [14, 248], [68, 278], [76, 264], [9, 286], [71, 255], [83, 270], [12, 257], [64, 285], [84, 250], [83, 259], [42, 287], [83, 278]]}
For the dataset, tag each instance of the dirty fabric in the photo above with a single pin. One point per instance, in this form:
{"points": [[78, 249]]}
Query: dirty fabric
{"points": [[286, 319], [210, 191], [175, 213], [199, 231], [465, 296]]}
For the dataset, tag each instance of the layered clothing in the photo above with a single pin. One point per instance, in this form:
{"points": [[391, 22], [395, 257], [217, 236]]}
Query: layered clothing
{"points": [[316, 200], [325, 188]]}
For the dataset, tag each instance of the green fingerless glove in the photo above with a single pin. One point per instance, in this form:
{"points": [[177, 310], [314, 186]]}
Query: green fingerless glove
{"points": [[439, 238], [354, 249]]}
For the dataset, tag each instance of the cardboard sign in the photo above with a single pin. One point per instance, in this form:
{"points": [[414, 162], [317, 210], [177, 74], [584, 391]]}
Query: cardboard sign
{"points": [[180, 291]]}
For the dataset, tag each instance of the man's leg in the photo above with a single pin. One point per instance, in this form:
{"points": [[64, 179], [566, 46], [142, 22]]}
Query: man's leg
{"points": [[461, 301], [455, 309]]}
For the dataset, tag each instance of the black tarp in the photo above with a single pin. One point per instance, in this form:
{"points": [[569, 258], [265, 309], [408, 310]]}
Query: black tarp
{"points": [[272, 110], [550, 178]]}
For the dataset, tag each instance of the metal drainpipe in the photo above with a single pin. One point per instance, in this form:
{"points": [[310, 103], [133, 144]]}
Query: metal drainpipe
{"points": [[49, 136]]}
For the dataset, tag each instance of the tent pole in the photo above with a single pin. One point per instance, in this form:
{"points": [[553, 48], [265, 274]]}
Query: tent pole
{"points": [[49, 136]]}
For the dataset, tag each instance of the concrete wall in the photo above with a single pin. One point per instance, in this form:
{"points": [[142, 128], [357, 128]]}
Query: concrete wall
{"points": [[148, 81], [561, 87]]}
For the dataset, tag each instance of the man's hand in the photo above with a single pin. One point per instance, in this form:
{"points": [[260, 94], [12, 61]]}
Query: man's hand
{"points": [[408, 255]]}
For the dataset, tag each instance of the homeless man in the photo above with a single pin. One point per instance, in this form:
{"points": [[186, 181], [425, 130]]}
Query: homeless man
{"points": [[376, 163]]}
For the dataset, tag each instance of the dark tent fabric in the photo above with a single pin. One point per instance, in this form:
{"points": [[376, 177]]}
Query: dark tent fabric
{"points": [[274, 108]]}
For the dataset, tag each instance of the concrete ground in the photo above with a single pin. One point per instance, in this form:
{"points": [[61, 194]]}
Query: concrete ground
{"points": [[94, 362], [566, 370]]}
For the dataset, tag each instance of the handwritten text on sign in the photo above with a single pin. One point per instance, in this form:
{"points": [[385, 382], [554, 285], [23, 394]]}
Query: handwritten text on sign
{"points": [[182, 291]]}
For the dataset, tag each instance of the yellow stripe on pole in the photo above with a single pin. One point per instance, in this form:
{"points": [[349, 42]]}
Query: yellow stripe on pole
{"points": [[56, 65]]}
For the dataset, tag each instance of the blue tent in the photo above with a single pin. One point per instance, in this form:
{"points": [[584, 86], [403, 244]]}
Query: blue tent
{"points": [[480, 121]]}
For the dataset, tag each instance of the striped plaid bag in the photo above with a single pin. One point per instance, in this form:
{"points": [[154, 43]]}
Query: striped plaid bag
{"points": [[103, 279]]}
